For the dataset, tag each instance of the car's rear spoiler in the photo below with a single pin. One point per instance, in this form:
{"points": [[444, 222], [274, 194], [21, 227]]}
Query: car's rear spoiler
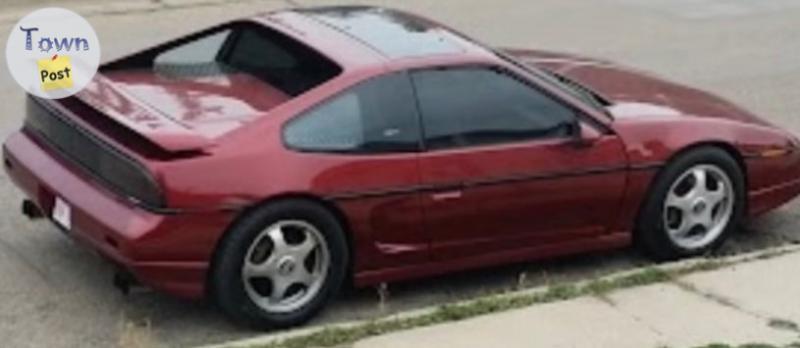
{"points": [[163, 131]]}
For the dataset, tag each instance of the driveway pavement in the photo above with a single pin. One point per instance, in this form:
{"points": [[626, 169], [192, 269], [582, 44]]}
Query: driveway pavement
{"points": [[55, 294]]}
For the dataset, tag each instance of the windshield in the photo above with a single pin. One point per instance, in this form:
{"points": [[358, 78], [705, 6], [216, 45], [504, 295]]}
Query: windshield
{"points": [[561, 82]]}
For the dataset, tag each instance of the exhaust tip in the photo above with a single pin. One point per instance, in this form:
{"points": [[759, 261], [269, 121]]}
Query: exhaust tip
{"points": [[124, 281], [30, 210]]}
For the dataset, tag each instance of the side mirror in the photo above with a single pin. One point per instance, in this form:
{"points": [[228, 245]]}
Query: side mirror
{"points": [[583, 136]]}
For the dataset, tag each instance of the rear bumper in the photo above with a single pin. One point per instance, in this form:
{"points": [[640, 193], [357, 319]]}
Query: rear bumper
{"points": [[169, 253]]}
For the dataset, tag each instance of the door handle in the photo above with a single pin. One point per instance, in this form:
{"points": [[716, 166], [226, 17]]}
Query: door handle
{"points": [[446, 196], [448, 193]]}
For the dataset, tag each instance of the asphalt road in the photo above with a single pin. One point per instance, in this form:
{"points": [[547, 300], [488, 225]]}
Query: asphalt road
{"points": [[56, 294]]}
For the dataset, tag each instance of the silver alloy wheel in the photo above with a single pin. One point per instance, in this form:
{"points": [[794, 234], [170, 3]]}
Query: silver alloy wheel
{"points": [[699, 206], [286, 266]]}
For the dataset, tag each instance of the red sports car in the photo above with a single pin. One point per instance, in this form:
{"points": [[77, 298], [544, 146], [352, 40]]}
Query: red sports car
{"points": [[266, 161]]}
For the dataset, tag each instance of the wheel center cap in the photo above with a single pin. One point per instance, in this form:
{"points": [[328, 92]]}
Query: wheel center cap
{"points": [[286, 266], [699, 207]]}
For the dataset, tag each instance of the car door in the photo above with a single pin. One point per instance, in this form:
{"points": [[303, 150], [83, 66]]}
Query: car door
{"points": [[367, 138], [503, 169]]}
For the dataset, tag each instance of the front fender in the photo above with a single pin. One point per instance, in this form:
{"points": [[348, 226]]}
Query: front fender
{"points": [[770, 156]]}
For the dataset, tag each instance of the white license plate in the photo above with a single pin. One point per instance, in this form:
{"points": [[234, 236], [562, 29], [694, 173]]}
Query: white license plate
{"points": [[62, 214]]}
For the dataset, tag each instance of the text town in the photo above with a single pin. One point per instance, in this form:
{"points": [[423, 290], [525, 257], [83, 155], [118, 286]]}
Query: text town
{"points": [[46, 44]]}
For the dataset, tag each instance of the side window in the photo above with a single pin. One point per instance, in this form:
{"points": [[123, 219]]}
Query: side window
{"points": [[376, 116], [476, 106]]}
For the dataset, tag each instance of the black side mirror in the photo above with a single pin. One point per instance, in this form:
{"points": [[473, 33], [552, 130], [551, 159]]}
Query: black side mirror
{"points": [[574, 129], [580, 139]]}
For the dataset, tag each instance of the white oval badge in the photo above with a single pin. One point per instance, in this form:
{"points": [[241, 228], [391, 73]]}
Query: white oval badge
{"points": [[53, 53]]}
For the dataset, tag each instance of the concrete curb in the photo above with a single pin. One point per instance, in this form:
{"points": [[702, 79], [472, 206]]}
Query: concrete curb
{"points": [[132, 6], [678, 265]]}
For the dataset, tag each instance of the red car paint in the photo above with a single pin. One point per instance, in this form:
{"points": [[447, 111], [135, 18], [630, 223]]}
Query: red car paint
{"points": [[408, 215]]}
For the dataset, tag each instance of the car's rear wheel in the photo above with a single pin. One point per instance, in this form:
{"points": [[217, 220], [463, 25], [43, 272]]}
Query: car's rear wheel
{"points": [[695, 203], [280, 264]]}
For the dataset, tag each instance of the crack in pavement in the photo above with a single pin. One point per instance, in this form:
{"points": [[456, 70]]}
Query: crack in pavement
{"points": [[772, 322], [610, 302]]}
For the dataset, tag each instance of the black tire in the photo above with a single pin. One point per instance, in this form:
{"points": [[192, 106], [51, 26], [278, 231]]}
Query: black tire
{"points": [[652, 236], [227, 284]]}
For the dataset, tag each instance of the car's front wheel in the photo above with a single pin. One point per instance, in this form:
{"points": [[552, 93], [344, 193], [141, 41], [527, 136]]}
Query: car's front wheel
{"points": [[280, 264], [694, 205]]}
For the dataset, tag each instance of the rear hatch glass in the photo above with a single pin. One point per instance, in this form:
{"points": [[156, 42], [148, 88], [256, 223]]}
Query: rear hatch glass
{"points": [[213, 82]]}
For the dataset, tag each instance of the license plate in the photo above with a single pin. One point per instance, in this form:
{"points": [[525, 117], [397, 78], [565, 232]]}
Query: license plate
{"points": [[62, 214]]}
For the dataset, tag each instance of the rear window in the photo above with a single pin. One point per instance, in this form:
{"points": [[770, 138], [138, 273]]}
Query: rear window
{"points": [[249, 49]]}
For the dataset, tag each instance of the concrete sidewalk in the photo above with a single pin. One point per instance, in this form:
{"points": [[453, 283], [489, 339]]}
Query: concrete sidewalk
{"points": [[753, 302]]}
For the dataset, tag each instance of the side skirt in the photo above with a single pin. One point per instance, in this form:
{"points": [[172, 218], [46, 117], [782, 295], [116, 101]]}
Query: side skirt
{"points": [[605, 242]]}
